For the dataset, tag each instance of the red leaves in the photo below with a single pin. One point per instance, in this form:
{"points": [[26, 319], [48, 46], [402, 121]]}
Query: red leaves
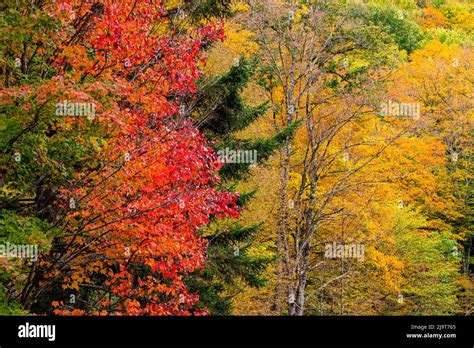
{"points": [[138, 212]]}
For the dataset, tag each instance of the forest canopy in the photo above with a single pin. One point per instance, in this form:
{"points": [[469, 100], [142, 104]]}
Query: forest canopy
{"points": [[255, 157]]}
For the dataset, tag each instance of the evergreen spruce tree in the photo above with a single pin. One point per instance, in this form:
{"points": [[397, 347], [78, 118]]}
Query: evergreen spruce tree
{"points": [[220, 112]]}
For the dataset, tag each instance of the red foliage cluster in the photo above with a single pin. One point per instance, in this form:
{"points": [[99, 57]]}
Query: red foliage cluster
{"points": [[132, 219]]}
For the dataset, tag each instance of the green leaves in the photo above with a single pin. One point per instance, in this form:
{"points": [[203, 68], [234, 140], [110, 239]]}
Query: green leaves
{"points": [[398, 24], [19, 229]]}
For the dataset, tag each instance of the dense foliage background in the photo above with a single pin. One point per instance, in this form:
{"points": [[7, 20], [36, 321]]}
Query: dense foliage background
{"points": [[113, 115]]}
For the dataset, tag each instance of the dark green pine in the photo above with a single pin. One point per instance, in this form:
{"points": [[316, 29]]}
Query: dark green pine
{"points": [[219, 112]]}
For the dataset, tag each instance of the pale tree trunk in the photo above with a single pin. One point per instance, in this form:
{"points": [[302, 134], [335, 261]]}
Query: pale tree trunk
{"points": [[283, 266], [296, 54], [282, 224]]}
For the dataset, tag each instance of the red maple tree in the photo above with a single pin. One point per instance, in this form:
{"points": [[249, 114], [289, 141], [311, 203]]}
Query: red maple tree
{"points": [[130, 217]]}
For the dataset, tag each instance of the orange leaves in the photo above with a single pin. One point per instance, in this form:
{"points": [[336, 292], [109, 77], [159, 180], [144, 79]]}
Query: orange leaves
{"points": [[138, 179], [76, 56], [433, 18]]}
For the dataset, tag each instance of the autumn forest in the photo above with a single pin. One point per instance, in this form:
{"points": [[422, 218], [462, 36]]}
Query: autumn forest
{"points": [[227, 157]]}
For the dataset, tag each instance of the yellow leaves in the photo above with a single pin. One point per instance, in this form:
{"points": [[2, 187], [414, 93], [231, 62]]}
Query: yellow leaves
{"points": [[95, 142], [388, 268], [240, 7], [238, 43], [460, 15], [426, 61], [261, 250], [465, 21], [300, 12], [172, 4], [437, 76], [294, 180]]}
